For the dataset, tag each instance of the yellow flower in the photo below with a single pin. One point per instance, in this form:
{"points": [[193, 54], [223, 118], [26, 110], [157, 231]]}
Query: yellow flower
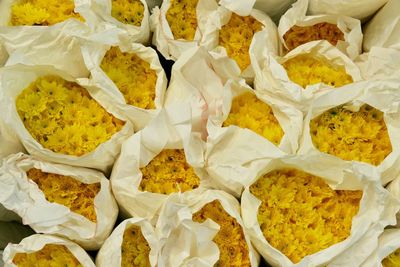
{"points": [[135, 249], [182, 19], [128, 11], [169, 172], [49, 255], [307, 70], [230, 239], [360, 136], [67, 191], [249, 112], [393, 260], [42, 12], [59, 114], [133, 77], [236, 37], [300, 214], [298, 35]]}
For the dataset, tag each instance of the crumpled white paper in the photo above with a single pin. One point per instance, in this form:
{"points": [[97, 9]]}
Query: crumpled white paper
{"points": [[377, 210], [380, 94], [394, 188], [188, 243], [93, 54], [171, 129], [3, 55], [97, 14], [272, 78], [384, 28], [233, 151], [21, 195], [163, 38], [352, 8], [110, 252], [9, 144], [351, 28], [37, 242], [379, 63], [16, 78], [273, 8], [389, 242], [210, 39]]}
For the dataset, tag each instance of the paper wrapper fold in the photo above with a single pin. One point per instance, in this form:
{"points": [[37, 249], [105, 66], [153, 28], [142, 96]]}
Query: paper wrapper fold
{"points": [[21, 195], [379, 63], [16, 78], [37, 242], [377, 210]]}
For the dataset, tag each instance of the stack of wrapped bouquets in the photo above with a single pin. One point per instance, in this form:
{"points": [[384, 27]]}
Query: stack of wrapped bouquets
{"points": [[199, 133]]}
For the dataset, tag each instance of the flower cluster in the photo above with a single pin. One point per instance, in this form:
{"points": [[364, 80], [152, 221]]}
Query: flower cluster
{"points": [[393, 260], [128, 11], [299, 35], [42, 12], [300, 214], [182, 19], [67, 191], [169, 172], [232, 245], [133, 77], [135, 249], [249, 112], [349, 135], [63, 117], [236, 37], [307, 70], [49, 255]]}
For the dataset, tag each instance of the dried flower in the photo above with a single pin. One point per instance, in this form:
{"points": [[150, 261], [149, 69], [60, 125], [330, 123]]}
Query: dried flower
{"points": [[128, 11], [393, 260], [182, 19], [135, 249]]}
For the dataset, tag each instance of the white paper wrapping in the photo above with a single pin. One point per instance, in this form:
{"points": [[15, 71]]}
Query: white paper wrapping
{"points": [[384, 29], [171, 129], [233, 151], [352, 8], [16, 78], [93, 54], [163, 38], [24, 197], [272, 78], [97, 14], [110, 252], [377, 210], [13, 232], [351, 28], [389, 242], [210, 39], [394, 188], [3, 55], [274, 8], [379, 63], [37, 242], [187, 243], [9, 144], [380, 94]]}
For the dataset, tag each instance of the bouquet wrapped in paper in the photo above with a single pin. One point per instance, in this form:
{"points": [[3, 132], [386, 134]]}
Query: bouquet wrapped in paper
{"points": [[46, 250], [356, 124], [308, 70], [132, 74], [296, 28], [164, 158], [132, 243], [379, 63], [210, 224], [306, 211], [72, 202], [58, 119]]}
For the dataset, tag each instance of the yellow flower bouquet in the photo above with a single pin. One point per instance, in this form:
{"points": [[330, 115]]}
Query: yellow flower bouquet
{"points": [[46, 250], [163, 162], [231, 34], [132, 74], [75, 203], [355, 125], [60, 120], [297, 28], [296, 215], [132, 243]]}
